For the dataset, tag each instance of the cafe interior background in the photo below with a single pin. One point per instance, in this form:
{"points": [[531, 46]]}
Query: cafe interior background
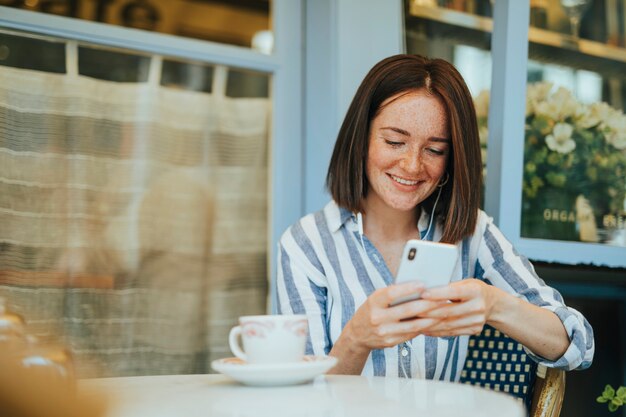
{"points": [[153, 151]]}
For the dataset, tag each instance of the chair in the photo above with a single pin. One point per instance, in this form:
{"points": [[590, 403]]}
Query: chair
{"points": [[549, 391], [497, 362]]}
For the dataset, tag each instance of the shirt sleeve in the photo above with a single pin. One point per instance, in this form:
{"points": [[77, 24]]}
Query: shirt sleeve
{"points": [[499, 264], [301, 287]]}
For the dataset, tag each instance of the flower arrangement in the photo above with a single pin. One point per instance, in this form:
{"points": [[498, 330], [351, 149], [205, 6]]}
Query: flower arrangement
{"points": [[571, 148]]}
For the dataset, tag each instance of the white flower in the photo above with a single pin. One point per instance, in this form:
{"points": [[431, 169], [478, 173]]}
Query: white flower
{"points": [[592, 115], [569, 103], [617, 138], [530, 107], [614, 120], [483, 134], [481, 103], [615, 128], [536, 93], [561, 138], [548, 109], [558, 106]]}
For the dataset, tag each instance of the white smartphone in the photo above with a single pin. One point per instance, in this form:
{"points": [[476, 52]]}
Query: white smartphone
{"points": [[429, 262]]}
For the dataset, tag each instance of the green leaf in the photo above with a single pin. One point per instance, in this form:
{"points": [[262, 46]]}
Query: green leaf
{"points": [[536, 182], [609, 392], [602, 400], [556, 179], [621, 392], [587, 135], [612, 407], [617, 401], [554, 158], [542, 124], [592, 173]]}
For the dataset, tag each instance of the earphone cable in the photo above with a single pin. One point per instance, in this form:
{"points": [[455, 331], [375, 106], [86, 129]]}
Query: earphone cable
{"points": [[432, 214]]}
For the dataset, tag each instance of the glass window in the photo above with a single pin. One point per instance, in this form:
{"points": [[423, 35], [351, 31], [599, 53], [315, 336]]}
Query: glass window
{"points": [[574, 185], [574, 180], [133, 204], [242, 83], [110, 65], [32, 53], [187, 75], [234, 22]]}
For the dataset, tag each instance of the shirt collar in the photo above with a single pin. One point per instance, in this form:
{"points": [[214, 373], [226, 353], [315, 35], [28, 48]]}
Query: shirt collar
{"points": [[422, 221], [338, 216]]}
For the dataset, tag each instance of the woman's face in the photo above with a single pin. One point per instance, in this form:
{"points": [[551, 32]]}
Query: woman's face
{"points": [[409, 144]]}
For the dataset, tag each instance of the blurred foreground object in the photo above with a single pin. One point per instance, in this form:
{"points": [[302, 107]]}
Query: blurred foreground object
{"points": [[24, 393], [11, 326], [37, 380]]}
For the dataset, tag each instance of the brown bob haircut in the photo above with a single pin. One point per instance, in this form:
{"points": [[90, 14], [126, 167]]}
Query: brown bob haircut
{"points": [[460, 196]]}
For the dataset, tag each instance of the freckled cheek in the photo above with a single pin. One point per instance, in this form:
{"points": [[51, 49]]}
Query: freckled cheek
{"points": [[378, 162], [435, 167]]}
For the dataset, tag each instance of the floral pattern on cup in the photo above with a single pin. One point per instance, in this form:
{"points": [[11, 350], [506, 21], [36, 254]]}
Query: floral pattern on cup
{"points": [[256, 328], [298, 328], [306, 358]]}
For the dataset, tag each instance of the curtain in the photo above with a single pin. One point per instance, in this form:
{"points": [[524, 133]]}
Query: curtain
{"points": [[133, 217]]}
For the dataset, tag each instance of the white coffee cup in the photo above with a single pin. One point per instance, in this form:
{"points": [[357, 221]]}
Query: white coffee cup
{"points": [[270, 339]]}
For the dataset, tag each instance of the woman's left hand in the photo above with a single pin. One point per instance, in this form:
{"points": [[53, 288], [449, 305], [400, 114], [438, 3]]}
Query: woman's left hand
{"points": [[471, 303]]}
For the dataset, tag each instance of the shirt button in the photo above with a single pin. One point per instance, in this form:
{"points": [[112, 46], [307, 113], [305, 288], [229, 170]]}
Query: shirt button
{"points": [[404, 352]]}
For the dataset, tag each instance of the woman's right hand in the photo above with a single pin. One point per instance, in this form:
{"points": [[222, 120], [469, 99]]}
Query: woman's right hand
{"points": [[377, 325]]}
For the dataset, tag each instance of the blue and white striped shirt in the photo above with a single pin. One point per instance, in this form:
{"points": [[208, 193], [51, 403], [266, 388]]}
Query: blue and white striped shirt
{"points": [[326, 271]]}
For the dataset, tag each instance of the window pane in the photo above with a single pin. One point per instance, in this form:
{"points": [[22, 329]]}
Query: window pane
{"points": [[133, 207], [574, 180], [234, 22], [187, 75], [32, 53], [575, 154], [105, 64], [243, 83]]}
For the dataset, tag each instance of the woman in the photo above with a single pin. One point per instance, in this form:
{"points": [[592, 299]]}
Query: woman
{"points": [[406, 165]]}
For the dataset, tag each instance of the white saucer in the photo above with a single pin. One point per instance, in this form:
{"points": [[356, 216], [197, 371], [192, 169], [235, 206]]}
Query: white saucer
{"points": [[274, 374]]}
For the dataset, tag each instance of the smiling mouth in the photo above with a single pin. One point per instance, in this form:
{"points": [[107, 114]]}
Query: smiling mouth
{"points": [[403, 181]]}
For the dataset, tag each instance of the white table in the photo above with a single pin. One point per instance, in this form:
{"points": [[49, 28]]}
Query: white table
{"points": [[328, 396]]}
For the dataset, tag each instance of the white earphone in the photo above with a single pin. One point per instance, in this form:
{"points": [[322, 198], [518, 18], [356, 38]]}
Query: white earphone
{"points": [[432, 213]]}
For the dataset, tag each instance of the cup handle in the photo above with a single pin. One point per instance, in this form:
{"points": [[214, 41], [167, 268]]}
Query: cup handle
{"points": [[233, 341]]}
